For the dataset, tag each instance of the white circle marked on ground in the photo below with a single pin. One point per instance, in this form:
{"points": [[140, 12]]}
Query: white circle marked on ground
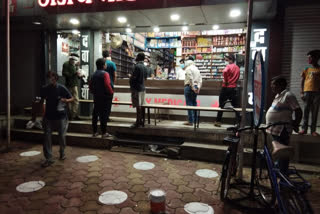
{"points": [[113, 197], [144, 165], [198, 208], [87, 159], [30, 153], [30, 186], [207, 173]]}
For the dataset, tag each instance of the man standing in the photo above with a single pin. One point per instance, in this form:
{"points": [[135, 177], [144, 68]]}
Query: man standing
{"points": [[56, 96], [281, 110], [181, 73], [137, 88], [69, 71], [228, 91], [310, 92], [100, 87], [111, 68], [192, 85]]}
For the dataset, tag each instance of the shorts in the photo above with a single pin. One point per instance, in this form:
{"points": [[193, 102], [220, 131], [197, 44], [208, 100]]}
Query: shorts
{"points": [[284, 137], [137, 98]]}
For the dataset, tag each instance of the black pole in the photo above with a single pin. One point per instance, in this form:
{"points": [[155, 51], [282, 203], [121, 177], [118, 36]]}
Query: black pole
{"points": [[7, 7]]}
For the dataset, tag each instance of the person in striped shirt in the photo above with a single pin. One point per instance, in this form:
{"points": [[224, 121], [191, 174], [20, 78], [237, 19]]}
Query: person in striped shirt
{"points": [[283, 106]]}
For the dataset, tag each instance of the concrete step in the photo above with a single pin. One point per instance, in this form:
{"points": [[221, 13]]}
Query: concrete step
{"points": [[187, 150], [73, 139], [306, 146], [173, 129]]}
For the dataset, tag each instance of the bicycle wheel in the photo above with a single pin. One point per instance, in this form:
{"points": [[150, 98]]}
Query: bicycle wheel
{"points": [[229, 169], [264, 182], [295, 203]]}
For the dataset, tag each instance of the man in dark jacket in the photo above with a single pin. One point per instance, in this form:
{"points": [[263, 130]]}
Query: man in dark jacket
{"points": [[138, 89], [100, 87], [56, 96]]}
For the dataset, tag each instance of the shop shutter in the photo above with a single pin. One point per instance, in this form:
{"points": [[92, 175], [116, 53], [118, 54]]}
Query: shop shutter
{"points": [[301, 34]]}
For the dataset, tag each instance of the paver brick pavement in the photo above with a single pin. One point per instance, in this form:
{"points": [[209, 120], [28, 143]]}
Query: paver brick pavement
{"points": [[73, 187]]}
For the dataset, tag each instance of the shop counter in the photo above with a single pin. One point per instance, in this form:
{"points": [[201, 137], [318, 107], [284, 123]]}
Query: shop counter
{"points": [[209, 87]]}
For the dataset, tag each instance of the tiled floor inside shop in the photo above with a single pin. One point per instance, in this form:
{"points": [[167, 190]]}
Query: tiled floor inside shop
{"points": [[77, 184]]}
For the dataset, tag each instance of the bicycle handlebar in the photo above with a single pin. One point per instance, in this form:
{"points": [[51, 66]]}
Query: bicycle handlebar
{"points": [[235, 129]]}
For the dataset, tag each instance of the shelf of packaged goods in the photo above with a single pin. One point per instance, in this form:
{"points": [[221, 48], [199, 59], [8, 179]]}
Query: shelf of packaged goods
{"points": [[194, 36], [211, 53], [189, 47], [197, 53], [205, 46], [163, 47], [219, 46], [116, 53], [165, 37], [225, 52]]}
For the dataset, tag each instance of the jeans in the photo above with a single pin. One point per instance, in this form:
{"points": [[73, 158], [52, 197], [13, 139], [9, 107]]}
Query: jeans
{"points": [[191, 100], [311, 103], [109, 107], [227, 94], [101, 110], [61, 126], [284, 138]]}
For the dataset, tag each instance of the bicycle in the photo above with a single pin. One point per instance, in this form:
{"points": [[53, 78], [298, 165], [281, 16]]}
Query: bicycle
{"points": [[287, 189], [230, 165]]}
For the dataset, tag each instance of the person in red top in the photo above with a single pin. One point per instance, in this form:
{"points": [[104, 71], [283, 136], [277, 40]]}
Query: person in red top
{"points": [[100, 87], [231, 75]]}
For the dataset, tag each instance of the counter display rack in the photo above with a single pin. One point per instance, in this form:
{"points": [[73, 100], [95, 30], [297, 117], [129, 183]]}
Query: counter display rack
{"points": [[209, 51], [123, 61], [163, 42]]}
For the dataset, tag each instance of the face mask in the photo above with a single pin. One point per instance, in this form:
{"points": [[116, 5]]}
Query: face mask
{"points": [[226, 63], [182, 66], [145, 63]]}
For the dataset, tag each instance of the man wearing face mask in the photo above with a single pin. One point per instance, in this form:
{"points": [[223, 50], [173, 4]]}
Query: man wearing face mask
{"points": [[181, 73], [149, 69], [231, 75]]}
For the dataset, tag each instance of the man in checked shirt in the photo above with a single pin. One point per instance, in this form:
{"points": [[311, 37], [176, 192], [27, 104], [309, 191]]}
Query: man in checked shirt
{"points": [[281, 110]]}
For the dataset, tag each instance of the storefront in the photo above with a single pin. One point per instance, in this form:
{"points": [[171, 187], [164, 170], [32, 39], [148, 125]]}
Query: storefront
{"points": [[204, 29]]}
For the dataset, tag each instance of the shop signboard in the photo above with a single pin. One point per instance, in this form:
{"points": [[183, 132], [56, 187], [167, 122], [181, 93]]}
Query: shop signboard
{"points": [[72, 6], [260, 35], [53, 3], [258, 85], [84, 63]]}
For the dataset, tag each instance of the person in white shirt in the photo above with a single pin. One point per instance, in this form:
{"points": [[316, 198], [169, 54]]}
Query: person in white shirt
{"points": [[181, 73], [192, 85]]}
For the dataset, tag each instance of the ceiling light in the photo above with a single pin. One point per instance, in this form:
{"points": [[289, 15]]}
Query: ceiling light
{"points": [[185, 28], [235, 13], [215, 27], [37, 23], [74, 21], [156, 29], [128, 30], [122, 19], [75, 32], [175, 17]]}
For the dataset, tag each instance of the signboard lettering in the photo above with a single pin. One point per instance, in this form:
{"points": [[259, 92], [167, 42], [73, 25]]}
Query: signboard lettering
{"points": [[54, 3], [84, 57]]}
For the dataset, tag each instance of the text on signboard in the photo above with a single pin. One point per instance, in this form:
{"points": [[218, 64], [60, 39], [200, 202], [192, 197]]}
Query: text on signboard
{"points": [[53, 3]]}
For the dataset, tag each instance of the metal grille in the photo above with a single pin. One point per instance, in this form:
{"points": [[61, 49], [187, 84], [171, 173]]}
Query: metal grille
{"points": [[302, 34]]}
